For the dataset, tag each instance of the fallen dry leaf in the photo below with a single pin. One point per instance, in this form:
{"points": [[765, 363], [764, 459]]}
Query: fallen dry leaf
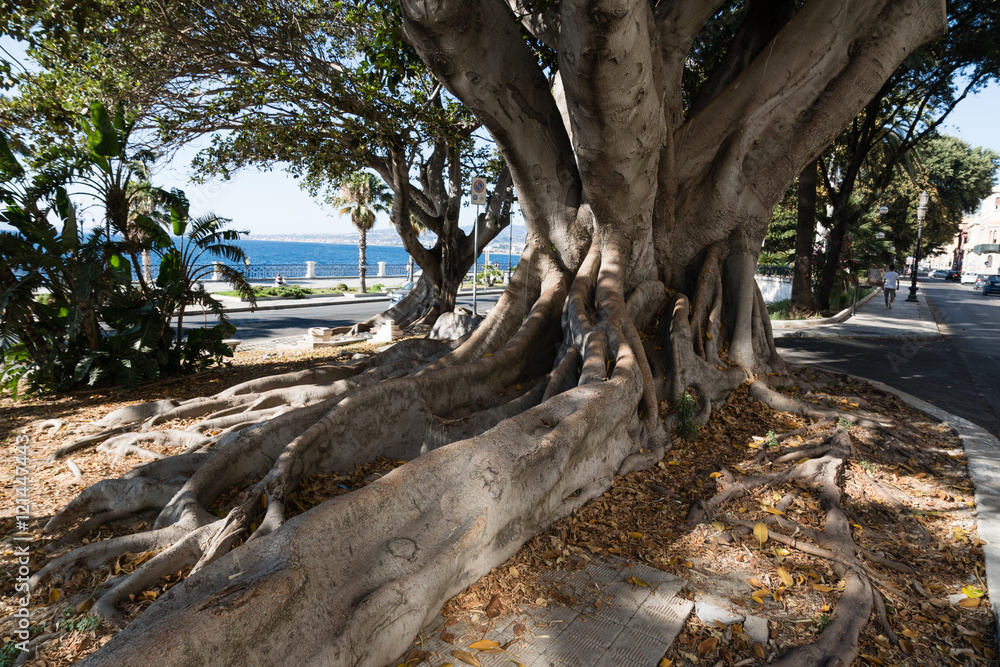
{"points": [[466, 657]]}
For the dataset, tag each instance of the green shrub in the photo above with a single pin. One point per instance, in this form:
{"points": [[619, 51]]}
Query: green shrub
{"points": [[286, 291], [687, 428], [781, 310]]}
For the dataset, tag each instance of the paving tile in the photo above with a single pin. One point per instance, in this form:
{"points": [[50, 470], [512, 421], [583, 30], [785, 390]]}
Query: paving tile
{"points": [[570, 651], [596, 629], [635, 648], [662, 621], [619, 613], [632, 626], [625, 595]]}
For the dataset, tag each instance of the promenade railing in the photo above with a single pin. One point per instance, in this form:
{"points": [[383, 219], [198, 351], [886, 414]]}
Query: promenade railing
{"points": [[307, 270]]}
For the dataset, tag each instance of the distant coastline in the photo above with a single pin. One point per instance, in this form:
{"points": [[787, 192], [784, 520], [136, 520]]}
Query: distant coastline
{"points": [[346, 239]]}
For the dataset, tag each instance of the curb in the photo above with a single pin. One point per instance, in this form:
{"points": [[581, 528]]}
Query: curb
{"points": [[307, 304], [316, 301], [843, 315], [981, 450]]}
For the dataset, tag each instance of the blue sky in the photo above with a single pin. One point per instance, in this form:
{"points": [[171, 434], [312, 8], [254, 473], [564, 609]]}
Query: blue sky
{"points": [[272, 202], [975, 119]]}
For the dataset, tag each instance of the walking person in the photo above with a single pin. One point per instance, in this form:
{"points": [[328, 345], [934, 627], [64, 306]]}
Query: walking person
{"points": [[890, 283]]}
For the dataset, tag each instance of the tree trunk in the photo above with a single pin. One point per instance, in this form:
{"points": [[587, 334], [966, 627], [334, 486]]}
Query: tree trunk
{"points": [[362, 260], [447, 263], [636, 286], [842, 220], [805, 239]]}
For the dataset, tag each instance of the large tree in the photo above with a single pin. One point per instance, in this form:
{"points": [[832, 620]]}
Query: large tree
{"points": [[956, 175], [647, 185]]}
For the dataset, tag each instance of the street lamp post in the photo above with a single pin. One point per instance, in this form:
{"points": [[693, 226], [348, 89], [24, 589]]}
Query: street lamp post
{"points": [[921, 214]]}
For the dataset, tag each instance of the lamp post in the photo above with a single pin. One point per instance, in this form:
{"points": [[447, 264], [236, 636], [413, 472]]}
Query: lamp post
{"points": [[921, 214], [510, 242]]}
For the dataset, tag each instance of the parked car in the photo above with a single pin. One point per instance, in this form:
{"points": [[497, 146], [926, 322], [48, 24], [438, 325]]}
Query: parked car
{"points": [[400, 293], [968, 277], [938, 273], [980, 279], [991, 285]]}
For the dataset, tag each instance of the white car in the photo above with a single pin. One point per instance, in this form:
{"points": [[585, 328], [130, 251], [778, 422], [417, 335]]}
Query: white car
{"points": [[938, 273], [399, 293], [969, 277]]}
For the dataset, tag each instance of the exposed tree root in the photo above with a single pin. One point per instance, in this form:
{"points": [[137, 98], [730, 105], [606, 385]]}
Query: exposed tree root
{"points": [[87, 441], [818, 467]]}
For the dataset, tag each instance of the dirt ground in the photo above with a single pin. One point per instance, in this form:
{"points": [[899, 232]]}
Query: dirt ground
{"points": [[907, 494]]}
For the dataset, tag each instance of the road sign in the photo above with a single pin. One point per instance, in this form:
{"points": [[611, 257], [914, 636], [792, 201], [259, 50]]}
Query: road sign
{"points": [[479, 191]]}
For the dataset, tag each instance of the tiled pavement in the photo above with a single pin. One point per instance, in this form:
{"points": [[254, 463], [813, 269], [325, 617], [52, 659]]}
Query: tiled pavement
{"points": [[610, 623]]}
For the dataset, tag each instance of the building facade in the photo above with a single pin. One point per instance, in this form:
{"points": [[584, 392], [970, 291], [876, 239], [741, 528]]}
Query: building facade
{"points": [[976, 247]]}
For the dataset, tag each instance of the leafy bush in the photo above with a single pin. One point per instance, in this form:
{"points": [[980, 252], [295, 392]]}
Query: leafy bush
{"points": [[687, 428], [781, 310], [94, 325], [489, 275], [287, 291]]}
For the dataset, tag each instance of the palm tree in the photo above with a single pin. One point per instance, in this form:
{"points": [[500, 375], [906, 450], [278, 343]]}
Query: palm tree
{"points": [[362, 195], [182, 268]]}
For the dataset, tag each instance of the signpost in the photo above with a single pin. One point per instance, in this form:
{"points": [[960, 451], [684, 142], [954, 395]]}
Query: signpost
{"points": [[478, 199]]}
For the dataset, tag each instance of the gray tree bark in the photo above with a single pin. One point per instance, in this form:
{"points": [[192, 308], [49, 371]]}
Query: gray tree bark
{"points": [[805, 239]]}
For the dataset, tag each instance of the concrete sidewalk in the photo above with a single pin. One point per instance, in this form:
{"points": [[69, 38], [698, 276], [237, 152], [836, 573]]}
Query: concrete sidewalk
{"points": [[906, 320]]}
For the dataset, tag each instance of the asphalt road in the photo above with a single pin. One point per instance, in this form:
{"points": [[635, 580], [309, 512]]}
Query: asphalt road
{"points": [[960, 374], [295, 321]]}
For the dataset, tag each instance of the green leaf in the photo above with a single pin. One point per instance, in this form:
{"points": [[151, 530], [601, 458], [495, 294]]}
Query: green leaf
{"points": [[70, 233], [156, 234], [9, 166], [102, 137], [122, 267], [179, 207], [171, 268], [83, 366], [120, 118]]}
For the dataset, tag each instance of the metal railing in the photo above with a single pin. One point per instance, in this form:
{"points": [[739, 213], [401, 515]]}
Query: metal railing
{"points": [[266, 271], [299, 270]]}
